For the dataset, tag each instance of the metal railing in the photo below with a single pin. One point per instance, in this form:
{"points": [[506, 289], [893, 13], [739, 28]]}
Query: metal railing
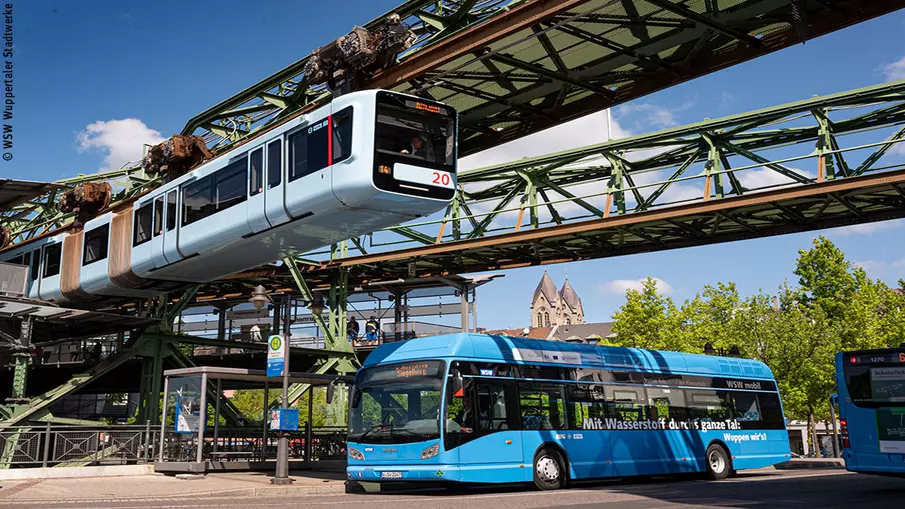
{"points": [[49, 445], [249, 443]]}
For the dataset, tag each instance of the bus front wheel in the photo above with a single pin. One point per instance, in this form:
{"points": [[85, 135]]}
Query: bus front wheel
{"points": [[718, 463], [549, 469]]}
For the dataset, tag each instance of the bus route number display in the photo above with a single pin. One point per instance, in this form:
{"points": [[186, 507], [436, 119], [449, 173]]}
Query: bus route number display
{"points": [[407, 370]]}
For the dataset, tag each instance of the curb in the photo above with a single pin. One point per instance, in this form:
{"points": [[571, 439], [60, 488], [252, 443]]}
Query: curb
{"points": [[275, 491], [810, 464]]}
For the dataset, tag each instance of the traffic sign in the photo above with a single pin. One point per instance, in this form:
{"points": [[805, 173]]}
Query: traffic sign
{"points": [[276, 356]]}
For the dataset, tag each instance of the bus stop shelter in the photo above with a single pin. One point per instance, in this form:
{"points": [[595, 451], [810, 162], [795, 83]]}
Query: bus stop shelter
{"points": [[191, 443]]}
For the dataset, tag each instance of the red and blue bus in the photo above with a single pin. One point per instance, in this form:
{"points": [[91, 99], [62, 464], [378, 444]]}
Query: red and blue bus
{"points": [[475, 408], [871, 389]]}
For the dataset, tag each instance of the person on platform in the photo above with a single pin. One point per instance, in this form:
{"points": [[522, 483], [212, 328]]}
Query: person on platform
{"points": [[352, 329], [371, 328]]}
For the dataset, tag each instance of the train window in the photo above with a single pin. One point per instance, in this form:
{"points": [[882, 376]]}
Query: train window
{"points": [[143, 219], [158, 216], [342, 135], [308, 150], [96, 244], [36, 265], [415, 130], [17, 260], [232, 184], [52, 259], [274, 163], [256, 171], [171, 210], [196, 200]]}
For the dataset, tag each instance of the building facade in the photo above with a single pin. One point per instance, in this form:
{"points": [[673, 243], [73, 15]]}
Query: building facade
{"points": [[551, 307]]}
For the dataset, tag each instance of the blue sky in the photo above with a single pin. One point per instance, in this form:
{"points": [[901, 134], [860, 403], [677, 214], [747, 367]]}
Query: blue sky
{"points": [[96, 79]]}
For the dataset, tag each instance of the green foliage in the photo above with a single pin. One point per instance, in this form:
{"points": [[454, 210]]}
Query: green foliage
{"points": [[835, 307], [251, 403]]}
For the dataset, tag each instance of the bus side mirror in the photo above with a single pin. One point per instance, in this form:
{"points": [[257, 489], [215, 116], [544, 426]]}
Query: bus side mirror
{"points": [[331, 389], [458, 383]]}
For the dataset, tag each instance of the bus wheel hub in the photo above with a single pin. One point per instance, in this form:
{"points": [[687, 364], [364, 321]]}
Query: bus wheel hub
{"points": [[547, 468]]}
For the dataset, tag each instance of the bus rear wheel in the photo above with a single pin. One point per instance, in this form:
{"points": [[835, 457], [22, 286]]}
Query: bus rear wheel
{"points": [[549, 470], [718, 463]]}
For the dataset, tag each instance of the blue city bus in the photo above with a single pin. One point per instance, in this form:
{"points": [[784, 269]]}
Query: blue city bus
{"points": [[871, 395], [476, 408]]}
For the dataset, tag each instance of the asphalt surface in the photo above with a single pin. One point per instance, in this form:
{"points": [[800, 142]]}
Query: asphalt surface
{"points": [[761, 489]]}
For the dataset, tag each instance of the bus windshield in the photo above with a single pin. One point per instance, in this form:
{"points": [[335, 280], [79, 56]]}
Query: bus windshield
{"points": [[415, 130], [875, 378], [397, 403]]}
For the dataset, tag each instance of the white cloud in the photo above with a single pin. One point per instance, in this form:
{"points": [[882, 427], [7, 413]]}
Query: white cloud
{"points": [[870, 228], [878, 268], [620, 286], [121, 140], [765, 177], [895, 71]]}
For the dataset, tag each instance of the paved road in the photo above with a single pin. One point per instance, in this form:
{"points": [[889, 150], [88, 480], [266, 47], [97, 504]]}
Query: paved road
{"points": [[764, 489]]}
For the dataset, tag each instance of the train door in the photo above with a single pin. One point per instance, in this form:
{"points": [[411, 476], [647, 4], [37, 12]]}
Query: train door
{"points": [[257, 216], [274, 188], [170, 231], [157, 233]]}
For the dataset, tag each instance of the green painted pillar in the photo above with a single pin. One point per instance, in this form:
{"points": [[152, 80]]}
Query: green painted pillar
{"points": [[20, 374]]}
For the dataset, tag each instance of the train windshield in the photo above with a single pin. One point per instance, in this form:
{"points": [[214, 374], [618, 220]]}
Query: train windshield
{"points": [[396, 404], [418, 131]]}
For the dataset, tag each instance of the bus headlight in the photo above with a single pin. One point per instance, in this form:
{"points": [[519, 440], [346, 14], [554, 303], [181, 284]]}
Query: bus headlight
{"points": [[430, 452], [355, 454]]}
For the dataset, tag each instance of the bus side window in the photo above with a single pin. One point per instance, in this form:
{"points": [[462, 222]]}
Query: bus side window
{"points": [[626, 403], [666, 403], [542, 406]]}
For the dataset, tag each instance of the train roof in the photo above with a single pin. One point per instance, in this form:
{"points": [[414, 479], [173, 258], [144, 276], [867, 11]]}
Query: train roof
{"points": [[492, 348]]}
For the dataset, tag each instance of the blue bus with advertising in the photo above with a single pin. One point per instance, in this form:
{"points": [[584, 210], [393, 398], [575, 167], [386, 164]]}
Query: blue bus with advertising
{"points": [[871, 395], [477, 408]]}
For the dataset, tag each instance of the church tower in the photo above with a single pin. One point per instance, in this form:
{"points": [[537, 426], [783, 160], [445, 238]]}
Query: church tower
{"points": [[550, 307]]}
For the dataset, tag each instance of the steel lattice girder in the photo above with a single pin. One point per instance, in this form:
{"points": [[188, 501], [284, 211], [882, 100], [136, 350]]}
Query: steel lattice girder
{"points": [[818, 163], [513, 67]]}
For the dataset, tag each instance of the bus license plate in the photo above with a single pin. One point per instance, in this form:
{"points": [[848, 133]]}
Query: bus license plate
{"points": [[391, 475], [424, 176]]}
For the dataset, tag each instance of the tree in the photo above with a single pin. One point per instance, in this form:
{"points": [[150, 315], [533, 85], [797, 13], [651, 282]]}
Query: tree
{"points": [[251, 403], [646, 320]]}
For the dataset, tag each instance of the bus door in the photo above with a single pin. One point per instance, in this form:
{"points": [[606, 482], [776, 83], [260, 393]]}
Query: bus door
{"points": [[497, 441], [170, 231]]}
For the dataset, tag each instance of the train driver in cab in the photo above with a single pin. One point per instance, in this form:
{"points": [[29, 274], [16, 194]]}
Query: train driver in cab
{"points": [[420, 148]]}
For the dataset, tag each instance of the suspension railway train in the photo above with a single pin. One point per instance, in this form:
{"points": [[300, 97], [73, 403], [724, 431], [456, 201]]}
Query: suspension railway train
{"points": [[367, 160]]}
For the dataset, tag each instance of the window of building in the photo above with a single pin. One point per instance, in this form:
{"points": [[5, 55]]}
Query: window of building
{"points": [[546, 319], [52, 255], [540, 319], [171, 210], [308, 150], [196, 201], [256, 171], [342, 135], [158, 216], [232, 187], [143, 221], [568, 320], [542, 406], [96, 244], [274, 163]]}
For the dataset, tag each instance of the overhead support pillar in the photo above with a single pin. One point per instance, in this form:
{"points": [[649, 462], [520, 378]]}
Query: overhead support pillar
{"points": [[21, 358]]}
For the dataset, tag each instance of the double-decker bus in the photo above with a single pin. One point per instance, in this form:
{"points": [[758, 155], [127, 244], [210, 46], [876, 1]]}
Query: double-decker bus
{"points": [[476, 408], [871, 388]]}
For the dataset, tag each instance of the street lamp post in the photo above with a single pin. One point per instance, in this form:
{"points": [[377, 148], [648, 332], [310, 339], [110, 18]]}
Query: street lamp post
{"points": [[281, 476]]}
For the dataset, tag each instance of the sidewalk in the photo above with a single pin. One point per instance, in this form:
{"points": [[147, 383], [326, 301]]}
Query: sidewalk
{"points": [[144, 487]]}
